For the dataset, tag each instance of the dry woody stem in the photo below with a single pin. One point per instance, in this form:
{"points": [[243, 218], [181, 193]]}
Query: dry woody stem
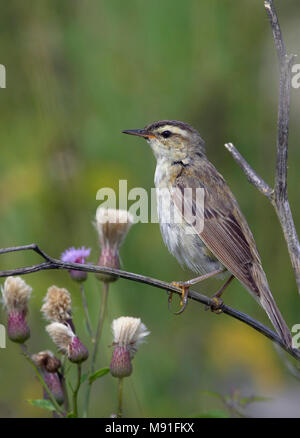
{"points": [[278, 196]]}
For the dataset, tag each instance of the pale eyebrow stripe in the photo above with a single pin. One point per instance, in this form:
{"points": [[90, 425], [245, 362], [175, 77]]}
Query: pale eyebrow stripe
{"points": [[173, 129]]}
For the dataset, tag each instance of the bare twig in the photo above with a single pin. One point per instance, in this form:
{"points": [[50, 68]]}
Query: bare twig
{"points": [[58, 264], [251, 175], [278, 196]]}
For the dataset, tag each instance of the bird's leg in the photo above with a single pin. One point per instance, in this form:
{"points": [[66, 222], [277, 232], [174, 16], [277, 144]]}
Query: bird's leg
{"points": [[216, 307], [185, 285]]}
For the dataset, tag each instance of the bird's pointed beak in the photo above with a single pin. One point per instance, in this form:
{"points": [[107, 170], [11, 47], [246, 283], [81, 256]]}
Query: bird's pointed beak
{"points": [[139, 133]]}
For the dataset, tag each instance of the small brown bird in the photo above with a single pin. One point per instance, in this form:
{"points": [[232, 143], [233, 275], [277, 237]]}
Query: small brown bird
{"points": [[224, 241]]}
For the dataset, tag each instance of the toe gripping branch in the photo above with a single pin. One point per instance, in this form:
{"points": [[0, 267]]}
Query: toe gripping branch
{"points": [[184, 297], [216, 306]]}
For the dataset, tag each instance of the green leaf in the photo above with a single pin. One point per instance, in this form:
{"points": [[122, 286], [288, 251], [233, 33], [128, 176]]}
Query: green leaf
{"points": [[244, 401], [213, 414], [213, 394], [71, 415], [83, 378], [43, 404], [97, 374]]}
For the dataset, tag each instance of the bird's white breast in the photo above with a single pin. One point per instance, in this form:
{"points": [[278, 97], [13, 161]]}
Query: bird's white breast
{"points": [[187, 248]]}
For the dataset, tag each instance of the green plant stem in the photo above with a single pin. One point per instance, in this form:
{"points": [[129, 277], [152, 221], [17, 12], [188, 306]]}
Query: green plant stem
{"points": [[102, 313], [63, 384], [75, 392], [42, 381], [120, 398], [86, 311]]}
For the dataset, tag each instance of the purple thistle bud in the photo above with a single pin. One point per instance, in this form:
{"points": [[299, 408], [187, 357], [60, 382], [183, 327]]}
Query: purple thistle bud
{"points": [[76, 255], [16, 294], [17, 328], [77, 352], [53, 382], [120, 365], [109, 258]]}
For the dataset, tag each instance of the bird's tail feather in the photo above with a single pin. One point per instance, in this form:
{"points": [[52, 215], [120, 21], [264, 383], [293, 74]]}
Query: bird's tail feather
{"points": [[268, 303]]}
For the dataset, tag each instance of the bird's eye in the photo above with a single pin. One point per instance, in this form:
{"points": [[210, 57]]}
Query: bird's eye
{"points": [[166, 134]]}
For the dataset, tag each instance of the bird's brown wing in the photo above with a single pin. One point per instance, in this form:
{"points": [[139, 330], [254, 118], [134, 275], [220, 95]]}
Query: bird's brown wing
{"points": [[225, 230], [226, 234]]}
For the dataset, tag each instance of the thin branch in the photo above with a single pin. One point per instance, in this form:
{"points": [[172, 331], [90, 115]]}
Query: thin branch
{"points": [[278, 196], [285, 66], [203, 299], [251, 175], [280, 47]]}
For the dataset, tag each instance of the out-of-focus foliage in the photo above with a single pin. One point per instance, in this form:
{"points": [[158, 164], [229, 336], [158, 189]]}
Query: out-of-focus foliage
{"points": [[79, 72]]}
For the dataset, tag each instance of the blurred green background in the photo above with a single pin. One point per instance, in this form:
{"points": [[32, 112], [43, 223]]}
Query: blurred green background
{"points": [[79, 72]]}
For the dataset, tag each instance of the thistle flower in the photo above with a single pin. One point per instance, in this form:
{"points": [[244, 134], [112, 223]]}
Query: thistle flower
{"points": [[128, 334], [15, 295], [48, 365], [67, 342], [57, 305], [76, 255], [112, 226]]}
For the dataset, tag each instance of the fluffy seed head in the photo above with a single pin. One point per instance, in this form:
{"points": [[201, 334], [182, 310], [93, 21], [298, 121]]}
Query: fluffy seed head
{"points": [[16, 293], [67, 342], [112, 226], [46, 361], [61, 335], [129, 332], [57, 305]]}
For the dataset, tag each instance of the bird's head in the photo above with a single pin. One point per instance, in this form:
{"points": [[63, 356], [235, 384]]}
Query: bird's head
{"points": [[171, 139]]}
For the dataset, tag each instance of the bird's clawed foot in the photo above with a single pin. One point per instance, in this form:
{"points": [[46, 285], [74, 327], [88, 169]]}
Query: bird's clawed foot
{"points": [[217, 305], [184, 296]]}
